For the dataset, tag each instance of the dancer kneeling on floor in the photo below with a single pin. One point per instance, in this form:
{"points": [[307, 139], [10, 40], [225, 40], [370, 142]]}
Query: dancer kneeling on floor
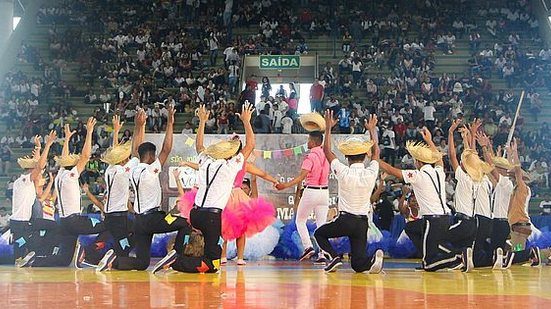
{"points": [[356, 183], [428, 185], [218, 167]]}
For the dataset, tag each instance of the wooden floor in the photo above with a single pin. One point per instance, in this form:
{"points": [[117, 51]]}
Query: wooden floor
{"points": [[270, 284]]}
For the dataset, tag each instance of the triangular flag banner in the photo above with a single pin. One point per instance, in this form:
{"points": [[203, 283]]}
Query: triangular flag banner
{"points": [[189, 141], [169, 219], [55, 251], [277, 154], [186, 239], [20, 242], [297, 150], [305, 147], [287, 152], [94, 222], [42, 233], [124, 243], [220, 241], [267, 154]]}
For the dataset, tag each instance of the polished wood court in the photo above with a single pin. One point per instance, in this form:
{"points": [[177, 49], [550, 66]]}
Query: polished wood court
{"points": [[271, 284]]}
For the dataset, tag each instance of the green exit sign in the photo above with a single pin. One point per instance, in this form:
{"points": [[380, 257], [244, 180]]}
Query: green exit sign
{"points": [[279, 62]]}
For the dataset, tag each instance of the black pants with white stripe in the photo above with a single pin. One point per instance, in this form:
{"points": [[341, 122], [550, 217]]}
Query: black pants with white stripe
{"points": [[144, 228], [461, 234], [435, 255], [414, 230], [500, 232], [70, 228], [120, 227], [22, 232], [483, 252], [45, 236], [355, 229], [210, 225]]}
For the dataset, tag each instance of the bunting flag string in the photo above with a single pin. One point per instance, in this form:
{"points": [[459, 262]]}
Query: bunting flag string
{"points": [[265, 154]]}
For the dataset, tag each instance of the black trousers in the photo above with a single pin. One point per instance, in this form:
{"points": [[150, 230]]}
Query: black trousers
{"points": [[483, 252], [414, 230], [144, 228], [356, 230], [22, 233], [70, 228], [45, 236], [435, 233], [461, 233], [120, 228], [500, 233], [210, 225]]}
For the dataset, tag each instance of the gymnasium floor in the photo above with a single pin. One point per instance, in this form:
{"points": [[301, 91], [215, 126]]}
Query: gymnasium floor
{"points": [[271, 284]]}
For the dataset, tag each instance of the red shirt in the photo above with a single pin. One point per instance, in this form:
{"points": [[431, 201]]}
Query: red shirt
{"points": [[400, 129], [316, 92]]}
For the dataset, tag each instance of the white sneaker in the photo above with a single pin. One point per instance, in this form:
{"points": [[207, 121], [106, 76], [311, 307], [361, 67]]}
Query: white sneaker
{"points": [[377, 266], [468, 260], [27, 261], [165, 262], [498, 264], [107, 261]]}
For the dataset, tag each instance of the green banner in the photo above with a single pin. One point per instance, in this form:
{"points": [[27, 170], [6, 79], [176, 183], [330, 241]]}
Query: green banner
{"points": [[279, 62]]}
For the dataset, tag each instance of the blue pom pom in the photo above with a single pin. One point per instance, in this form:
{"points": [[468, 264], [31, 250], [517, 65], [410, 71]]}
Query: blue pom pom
{"points": [[159, 243]]}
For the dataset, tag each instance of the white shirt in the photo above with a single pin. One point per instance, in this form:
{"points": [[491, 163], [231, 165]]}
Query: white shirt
{"points": [[147, 187], [68, 192], [425, 190], [392, 138], [356, 183], [221, 185], [117, 178], [24, 195], [428, 112], [483, 202], [287, 124], [502, 197], [465, 192]]}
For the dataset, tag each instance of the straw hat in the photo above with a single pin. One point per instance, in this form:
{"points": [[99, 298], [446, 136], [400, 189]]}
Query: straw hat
{"points": [[312, 122], [117, 154], [354, 146], [422, 152], [223, 149], [68, 160], [474, 166], [502, 163], [27, 162]]}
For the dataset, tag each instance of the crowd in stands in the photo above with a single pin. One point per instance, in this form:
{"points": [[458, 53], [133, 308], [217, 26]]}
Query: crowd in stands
{"points": [[150, 54]]}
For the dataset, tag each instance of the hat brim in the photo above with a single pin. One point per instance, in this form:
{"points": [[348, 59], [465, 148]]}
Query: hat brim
{"points": [[68, 160], [312, 122], [352, 148], [27, 163], [115, 155], [422, 152], [223, 149]]}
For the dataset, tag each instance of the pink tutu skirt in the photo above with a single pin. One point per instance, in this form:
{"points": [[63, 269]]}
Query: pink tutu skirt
{"points": [[242, 215]]}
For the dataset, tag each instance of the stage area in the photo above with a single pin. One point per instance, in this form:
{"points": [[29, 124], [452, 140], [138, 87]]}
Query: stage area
{"points": [[271, 284]]}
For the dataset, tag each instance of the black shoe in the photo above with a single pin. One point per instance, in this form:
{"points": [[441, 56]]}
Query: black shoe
{"points": [[165, 262], [333, 265], [535, 256], [320, 261], [308, 252], [106, 262], [508, 259]]}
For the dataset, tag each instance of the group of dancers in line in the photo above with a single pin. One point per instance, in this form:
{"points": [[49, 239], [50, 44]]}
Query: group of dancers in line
{"points": [[490, 204]]}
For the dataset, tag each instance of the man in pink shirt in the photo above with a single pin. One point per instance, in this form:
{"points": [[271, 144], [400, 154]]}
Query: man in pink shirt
{"points": [[315, 170]]}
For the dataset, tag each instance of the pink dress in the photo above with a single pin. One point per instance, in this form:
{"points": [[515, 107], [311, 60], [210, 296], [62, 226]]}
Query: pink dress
{"points": [[242, 215]]}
